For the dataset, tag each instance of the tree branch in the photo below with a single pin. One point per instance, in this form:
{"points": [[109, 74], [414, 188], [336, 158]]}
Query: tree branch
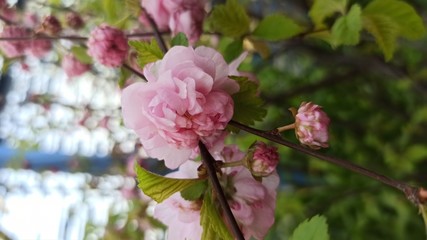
{"points": [[209, 162], [157, 33]]}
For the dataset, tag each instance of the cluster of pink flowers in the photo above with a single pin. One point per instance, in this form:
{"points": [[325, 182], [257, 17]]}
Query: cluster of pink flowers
{"points": [[178, 16], [252, 202], [73, 67], [187, 98], [311, 125], [108, 46]]}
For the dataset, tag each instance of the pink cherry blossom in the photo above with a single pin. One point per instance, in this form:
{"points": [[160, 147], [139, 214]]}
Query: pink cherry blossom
{"points": [[187, 98], [14, 48], [108, 45], [178, 15], [39, 48], [264, 159], [73, 67], [311, 125]]}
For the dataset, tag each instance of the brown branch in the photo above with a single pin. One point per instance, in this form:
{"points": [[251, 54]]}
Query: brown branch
{"points": [[209, 162], [136, 72], [157, 33], [34, 37]]}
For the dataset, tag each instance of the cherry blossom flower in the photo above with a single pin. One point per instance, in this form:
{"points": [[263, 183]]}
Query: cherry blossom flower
{"points": [[311, 125], [73, 67], [108, 45], [187, 98], [178, 15], [14, 48], [262, 160]]}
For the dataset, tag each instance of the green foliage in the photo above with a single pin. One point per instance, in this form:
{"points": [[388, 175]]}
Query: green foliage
{"points": [[212, 223], [124, 75], [81, 54], [133, 7], [277, 27], [195, 191], [233, 50], [158, 187], [147, 51], [315, 228], [180, 40], [387, 20], [230, 19], [346, 30], [322, 9], [248, 107]]}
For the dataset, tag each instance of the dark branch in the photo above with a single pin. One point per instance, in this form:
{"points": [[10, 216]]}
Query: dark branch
{"points": [[157, 33]]}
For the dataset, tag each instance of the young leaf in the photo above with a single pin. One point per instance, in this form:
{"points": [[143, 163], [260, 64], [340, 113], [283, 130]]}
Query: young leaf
{"points": [[233, 50], [180, 40], [315, 228], [277, 27], [247, 105], [230, 19], [212, 222], [147, 51], [346, 30], [81, 54], [321, 9], [134, 7], [195, 191], [158, 187]]}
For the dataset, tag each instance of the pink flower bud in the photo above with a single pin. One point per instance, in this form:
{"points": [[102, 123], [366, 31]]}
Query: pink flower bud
{"points": [[311, 125], [13, 48], [262, 159], [74, 20], [108, 46], [51, 26], [73, 67]]}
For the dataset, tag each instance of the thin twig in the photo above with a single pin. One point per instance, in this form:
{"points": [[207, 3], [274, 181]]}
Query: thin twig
{"points": [[136, 72], [45, 37], [157, 33], [209, 162], [145, 34]]}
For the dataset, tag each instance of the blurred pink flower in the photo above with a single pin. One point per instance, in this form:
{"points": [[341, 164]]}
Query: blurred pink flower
{"points": [[51, 26], [264, 159], [108, 45], [74, 20], [311, 125], [30, 20], [39, 48], [178, 15], [73, 67], [187, 98], [14, 48]]}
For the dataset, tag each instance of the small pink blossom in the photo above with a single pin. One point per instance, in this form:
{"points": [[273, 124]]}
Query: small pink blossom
{"points": [[30, 20], [187, 98], [263, 160], [14, 48], [39, 48], [73, 67], [108, 45], [178, 15], [51, 26], [74, 20], [311, 125]]}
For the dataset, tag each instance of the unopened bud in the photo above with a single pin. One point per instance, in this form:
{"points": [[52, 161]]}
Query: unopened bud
{"points": [[261, 159]]}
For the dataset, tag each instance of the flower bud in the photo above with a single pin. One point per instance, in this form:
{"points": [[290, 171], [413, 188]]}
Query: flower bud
{"points": [[261, 159], [74, 20], [51, 26], [312, 125]]}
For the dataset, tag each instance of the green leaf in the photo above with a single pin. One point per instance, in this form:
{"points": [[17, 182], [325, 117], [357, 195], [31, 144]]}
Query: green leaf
{"points": [[110, 10], [124, 75], [409, 23], [385, 32], [212, 222], [147, 51], [229, 19], [158, 187], [321, 9], [314, 229], [346, 30], [180, 40], [277, 27], [195, 191], [81, 54], [248, 107], [133, 7], [233, 50]]}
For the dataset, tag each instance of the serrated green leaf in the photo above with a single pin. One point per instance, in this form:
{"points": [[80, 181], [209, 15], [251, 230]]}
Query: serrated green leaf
{"points": [[229, 19], [315, 228], [212, 222], [346, 30], [180, 40], [195, 191], [233, 50], [385, 32], [277, 27], [248, 107], [321, 9], [81, 54], [409, 23], [133, 7], [147, 51], [158, 187]]}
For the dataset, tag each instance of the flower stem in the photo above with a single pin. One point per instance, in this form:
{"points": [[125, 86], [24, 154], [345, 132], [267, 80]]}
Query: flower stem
{"points": [[287, 127], [30, 38], [209, 162], [136, 72], [232, 164]]}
